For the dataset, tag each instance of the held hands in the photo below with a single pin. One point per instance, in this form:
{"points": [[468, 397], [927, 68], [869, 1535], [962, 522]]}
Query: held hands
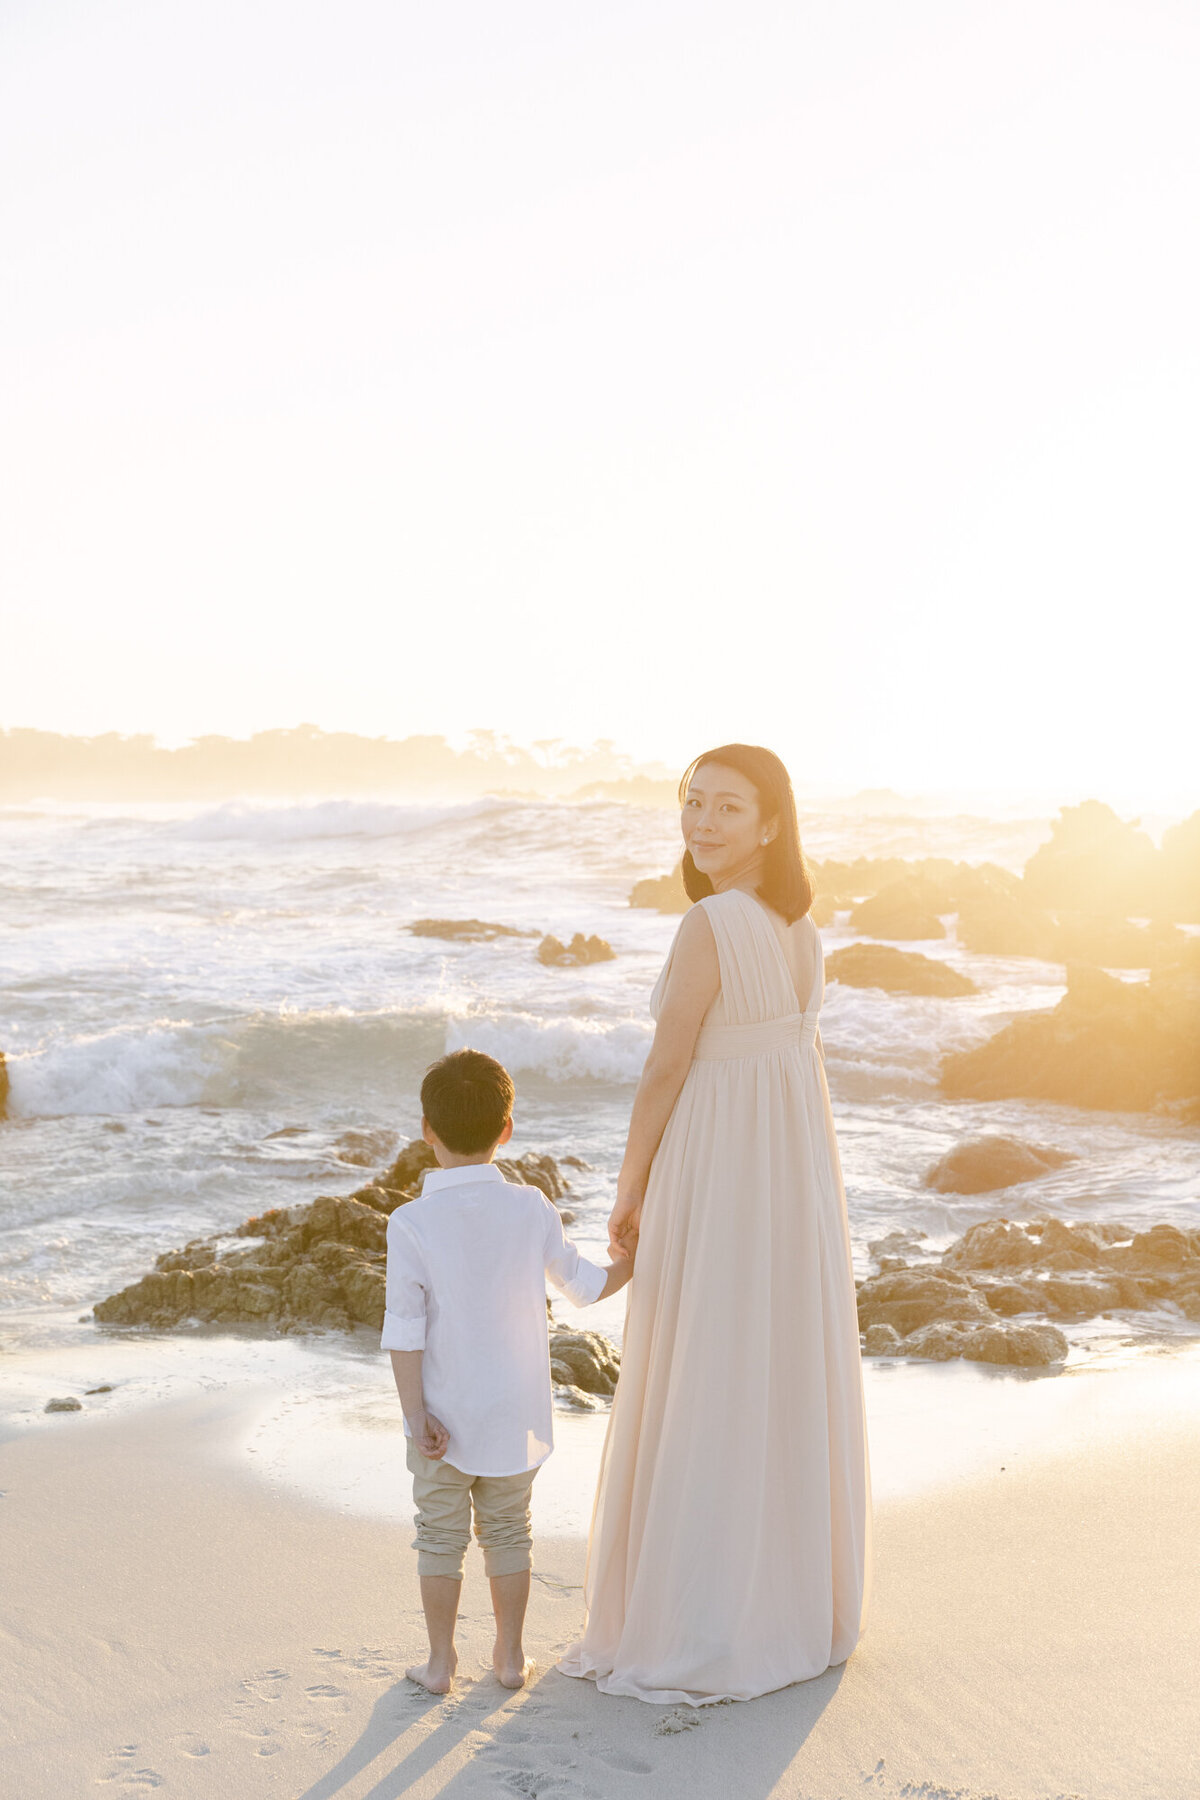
{"points": [[430, 1436], [623, 1224]]}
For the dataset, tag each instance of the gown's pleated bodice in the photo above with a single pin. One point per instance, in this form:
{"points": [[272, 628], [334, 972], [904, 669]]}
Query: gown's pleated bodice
{"points": [[730, 1544]]}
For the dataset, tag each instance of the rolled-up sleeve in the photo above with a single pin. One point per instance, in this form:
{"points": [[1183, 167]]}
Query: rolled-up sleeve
{"points": [[404, 1315], [573, 1275]]}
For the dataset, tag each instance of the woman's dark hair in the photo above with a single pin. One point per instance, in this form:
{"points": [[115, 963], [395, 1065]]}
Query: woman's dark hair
{"points": [[787, 881], [467, 1097]]}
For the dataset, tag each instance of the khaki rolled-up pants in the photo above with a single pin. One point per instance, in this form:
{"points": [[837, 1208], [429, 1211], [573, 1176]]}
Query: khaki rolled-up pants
{"points": [[445, 1497]]}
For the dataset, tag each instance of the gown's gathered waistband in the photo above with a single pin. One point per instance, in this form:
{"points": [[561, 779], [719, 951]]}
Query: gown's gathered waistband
{"points": [[794, 1031]]}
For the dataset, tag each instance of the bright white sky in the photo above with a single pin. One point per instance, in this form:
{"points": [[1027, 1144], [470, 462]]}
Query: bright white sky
{"points": [[822, 374]]}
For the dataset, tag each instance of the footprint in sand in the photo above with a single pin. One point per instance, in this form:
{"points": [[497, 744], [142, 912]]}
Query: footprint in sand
{"points": [[620, 1759], [680, 1718], [532, 1784], [267, 1687], [127, 1776], [191, 1745], [260, 1736]]}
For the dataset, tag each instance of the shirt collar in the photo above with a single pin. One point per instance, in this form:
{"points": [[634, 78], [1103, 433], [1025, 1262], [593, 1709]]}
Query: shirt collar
{"points": [[459, 1177]]}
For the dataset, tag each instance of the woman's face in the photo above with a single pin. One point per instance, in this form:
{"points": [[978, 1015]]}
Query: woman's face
{"points": [[722, 824]]}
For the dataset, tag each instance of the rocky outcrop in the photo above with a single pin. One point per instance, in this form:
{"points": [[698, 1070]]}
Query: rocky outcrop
{"points": [[902, 909], [1116, 943], [402, 1181], [1125, 1046], [469, 930], [992, 1162], [998, 921], [976, 1303], [897, 971], [584, 1359], [661, 893], [1179, 871], [580, 950], [324, 1266], [1093, 863], [944, 885]]}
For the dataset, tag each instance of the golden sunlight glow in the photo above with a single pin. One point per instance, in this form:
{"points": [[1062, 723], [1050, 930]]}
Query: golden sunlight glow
{"points": [[831, 386]]}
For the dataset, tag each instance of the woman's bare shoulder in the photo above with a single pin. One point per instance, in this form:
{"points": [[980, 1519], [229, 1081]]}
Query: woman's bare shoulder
{"points": [[695, 934]]}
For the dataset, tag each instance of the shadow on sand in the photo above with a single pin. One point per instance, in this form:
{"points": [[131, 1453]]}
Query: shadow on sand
{"points": [[559, 1737]]}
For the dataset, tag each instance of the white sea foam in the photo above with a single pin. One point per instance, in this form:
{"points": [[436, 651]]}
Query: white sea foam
{"points": [[564, 1049], [902, 1036], [127, 1070], [323, 819]]}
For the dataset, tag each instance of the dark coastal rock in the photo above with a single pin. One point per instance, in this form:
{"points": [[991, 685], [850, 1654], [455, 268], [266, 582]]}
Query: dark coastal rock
{"points": [[402, 1181], [585, 1358], [363, 1149], [944, 885], [324, 1265], [1116, 943], [64, 1403], [897, 971], [1127, 1046], [1026, 1346], [468, 930], [999, 922], [575, 1399], [902, 909], [908, 1298], [580, 950], [992, 1162], [976, 1303], [661, 893]]}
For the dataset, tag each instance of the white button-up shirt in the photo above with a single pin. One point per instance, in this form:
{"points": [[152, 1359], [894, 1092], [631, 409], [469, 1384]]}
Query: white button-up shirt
{"points": [[467, 1263]]}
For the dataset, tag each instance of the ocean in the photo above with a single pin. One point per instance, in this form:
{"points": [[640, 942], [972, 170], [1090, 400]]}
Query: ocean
{"points": [[211, 1010]]}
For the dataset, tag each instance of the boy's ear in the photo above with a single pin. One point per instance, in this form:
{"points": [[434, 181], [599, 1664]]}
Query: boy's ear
{"points": [[427, 1131], [506, 1133]]}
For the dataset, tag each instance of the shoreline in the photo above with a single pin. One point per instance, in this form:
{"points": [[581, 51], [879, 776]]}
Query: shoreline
{"points": [[179, 1625], [320, 1422]]}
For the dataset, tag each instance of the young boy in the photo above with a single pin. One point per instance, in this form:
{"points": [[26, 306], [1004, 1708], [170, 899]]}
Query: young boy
{"points": [[467, 1263]]}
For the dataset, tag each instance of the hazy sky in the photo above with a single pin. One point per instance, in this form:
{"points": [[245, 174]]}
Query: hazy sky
{"points": [[824, 374]]}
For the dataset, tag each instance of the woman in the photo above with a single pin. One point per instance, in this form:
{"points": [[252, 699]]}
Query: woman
{"points": [[730, 1544]]}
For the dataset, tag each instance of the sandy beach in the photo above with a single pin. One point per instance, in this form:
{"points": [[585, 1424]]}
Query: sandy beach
{"points": [[176, 1620]]}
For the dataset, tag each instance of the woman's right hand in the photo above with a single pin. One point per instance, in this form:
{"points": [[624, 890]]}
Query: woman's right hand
{"points": [[623, 1223]]}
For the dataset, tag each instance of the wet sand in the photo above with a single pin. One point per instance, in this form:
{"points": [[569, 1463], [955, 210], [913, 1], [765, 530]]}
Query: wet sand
{"points": [[173, 1623]]}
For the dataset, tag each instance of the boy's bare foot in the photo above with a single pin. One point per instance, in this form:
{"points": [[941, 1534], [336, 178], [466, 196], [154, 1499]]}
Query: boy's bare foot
{"points": [[435, 1677], [511, 1672]]}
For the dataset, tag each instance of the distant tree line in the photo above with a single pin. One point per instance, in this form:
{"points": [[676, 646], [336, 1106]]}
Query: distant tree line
{"points": [[306, 760]]}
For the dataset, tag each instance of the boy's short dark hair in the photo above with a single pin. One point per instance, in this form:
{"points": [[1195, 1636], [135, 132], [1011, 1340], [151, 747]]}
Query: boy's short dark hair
{"points": [[467, 1098]]}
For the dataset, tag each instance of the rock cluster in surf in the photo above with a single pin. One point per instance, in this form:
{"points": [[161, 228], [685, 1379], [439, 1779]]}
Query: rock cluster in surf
{"points": [[323, 1266], [997, 1290], [896, 971], [1123, 1045], [580, 950]]}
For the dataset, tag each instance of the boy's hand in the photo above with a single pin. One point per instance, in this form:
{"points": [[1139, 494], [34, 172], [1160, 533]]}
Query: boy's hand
{"points": [[431, 1436]]}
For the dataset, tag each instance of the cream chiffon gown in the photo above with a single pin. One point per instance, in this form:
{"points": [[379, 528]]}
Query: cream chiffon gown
{"points": [[730, 1544]]}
